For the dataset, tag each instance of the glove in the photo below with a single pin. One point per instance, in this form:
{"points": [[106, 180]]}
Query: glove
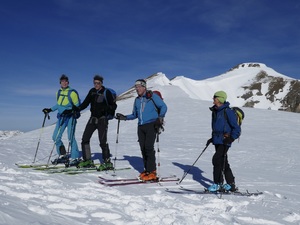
{"points": [[46, 110], [67, 112], [208, 142], [159, 122], [75, 108], [120, 116], [228, 140]]}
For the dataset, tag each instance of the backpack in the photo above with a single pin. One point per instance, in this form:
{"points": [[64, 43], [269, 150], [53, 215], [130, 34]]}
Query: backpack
{"points": [[111, 112], [149, 94], [70, 99], [240, 115]]}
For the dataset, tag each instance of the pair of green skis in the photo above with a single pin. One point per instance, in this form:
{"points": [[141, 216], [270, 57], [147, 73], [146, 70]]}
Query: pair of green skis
{"points": [[60, 168]]}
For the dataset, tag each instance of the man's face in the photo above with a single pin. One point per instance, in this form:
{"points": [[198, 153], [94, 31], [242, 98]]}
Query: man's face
{"points": [[97, 84], [140, 90], [64, 83]]}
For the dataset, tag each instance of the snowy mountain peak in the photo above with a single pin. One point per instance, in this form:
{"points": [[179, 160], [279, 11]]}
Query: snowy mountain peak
{"points": [[247, 65], [250, 84], [254, 68], [157, 79]]}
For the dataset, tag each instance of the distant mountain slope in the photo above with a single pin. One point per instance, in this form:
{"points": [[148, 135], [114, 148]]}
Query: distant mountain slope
{"points": [[4, 134], [248, 84]]}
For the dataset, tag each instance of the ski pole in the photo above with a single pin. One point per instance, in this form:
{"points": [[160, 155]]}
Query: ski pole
{"points": [[117, 141], [184, 175], [158, 151], [41, 132]]}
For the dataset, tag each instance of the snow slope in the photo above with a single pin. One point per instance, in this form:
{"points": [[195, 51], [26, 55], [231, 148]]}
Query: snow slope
{"points": [[266, 158]]}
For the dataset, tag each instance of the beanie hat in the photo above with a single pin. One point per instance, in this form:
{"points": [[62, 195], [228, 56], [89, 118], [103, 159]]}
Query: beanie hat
{"points": [[97, 77], [221, 96], [140, 82], [64, 77]]}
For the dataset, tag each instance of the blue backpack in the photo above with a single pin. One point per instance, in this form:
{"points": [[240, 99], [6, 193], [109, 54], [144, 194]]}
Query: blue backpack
{"points": [[111, 112], [70, 99]]}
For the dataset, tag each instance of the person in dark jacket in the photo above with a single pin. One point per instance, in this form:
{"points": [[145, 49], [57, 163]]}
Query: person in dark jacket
{"points": [[102, 102], [225, 130], [146, 109]]}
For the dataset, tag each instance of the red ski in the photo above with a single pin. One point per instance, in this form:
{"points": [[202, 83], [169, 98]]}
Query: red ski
{"points": [[130, 181]]}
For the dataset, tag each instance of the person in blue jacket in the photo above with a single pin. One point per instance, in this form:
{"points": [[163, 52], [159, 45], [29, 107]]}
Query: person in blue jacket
{"points": [[225, 130], [67, 98], [150, 110]]}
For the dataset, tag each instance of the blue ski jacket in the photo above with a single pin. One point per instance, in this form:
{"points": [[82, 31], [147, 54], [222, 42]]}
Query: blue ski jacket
{"points": [[145, 110], [224, 123]]}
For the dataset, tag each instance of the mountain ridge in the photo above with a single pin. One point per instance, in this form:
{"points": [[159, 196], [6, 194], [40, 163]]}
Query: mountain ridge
{"points": [[253, 85]]}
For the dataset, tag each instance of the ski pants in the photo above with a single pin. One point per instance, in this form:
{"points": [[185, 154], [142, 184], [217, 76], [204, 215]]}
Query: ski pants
{"points": [[61, 124], [100, 124], [220, 163], [147, 135]]}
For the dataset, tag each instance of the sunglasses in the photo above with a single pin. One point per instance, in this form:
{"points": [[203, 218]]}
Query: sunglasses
{"points": [[97, 83], [216, 96]]}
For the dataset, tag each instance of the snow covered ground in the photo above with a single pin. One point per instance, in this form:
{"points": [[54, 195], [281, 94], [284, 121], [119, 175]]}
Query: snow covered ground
{"points": [[266, 158]]}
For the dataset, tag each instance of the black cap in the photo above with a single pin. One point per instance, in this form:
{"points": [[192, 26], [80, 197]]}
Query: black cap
{"points": [[63, 77], [97, 77]]}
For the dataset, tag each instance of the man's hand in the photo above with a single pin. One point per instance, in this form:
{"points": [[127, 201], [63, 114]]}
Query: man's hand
{"points": [[46, 110], [120, 116]]}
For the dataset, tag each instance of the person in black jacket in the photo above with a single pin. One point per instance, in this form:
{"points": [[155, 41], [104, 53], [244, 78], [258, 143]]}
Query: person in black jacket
{"points": [[102, 103]]}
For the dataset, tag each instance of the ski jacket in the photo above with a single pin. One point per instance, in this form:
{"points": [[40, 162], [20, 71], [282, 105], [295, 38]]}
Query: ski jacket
{"points": [[99, 106], [145, 110], [63, 102], [224, 123]]}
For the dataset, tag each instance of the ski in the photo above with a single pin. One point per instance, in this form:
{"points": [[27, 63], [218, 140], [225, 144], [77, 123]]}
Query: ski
{"points": [[75, 170], [57, 167], [182, 190], [93, 170], [103, 179], [25, 166], [131, 181]]}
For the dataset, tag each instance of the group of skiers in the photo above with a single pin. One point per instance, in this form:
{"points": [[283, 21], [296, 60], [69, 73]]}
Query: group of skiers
{"points": [[150, 110]]}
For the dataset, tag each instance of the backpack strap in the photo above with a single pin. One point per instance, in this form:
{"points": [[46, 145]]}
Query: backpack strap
{"points": [[69, 95], [104, 93], [149, 95], [156, 108], [226, 118]]}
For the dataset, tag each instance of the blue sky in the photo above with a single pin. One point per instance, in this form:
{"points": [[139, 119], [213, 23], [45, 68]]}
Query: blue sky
{"points": [[124, 40]]}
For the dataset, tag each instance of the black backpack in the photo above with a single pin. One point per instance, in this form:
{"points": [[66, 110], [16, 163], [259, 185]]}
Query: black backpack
{"points": [[111, 113]]}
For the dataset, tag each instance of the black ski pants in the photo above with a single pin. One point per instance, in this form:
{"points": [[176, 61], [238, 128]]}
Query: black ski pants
{"points": [[147, 135], [220, 163], [100, 124]]}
